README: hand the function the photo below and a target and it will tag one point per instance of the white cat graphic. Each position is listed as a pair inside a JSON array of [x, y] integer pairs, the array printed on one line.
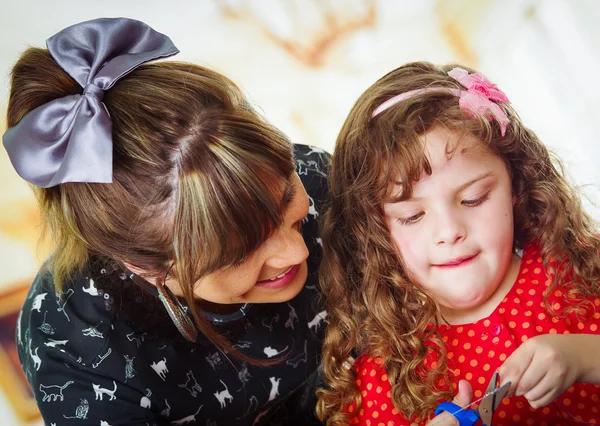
[[314, 149], [92, 332], [223, 396], [188, 419], [37, 302], [51, 343], [274, 389], [310, 165], [302, 357], [253, 405], [160, 368], [311, 208], [167, 411], [191, 384], [91, 290], [81, 411], [100, 392], [145, 401], [270, 352], [293, 317], [317, 320], [50, 394], [37, 361]]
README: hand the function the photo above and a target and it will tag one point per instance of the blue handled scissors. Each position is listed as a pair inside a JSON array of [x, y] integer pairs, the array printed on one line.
[[485, 411]]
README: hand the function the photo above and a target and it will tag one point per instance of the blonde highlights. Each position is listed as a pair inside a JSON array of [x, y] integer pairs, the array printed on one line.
[[372, 302]]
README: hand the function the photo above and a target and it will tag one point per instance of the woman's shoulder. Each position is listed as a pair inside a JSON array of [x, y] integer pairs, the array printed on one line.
[[312, 166], [71, 348], [73, 322], [309, 155]]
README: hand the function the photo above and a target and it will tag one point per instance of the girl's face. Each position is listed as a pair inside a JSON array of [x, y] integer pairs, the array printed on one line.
[[455, 234], [275, 272]]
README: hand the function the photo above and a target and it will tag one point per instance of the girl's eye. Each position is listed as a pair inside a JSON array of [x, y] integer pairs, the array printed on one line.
[[410, 220], [476, 202]]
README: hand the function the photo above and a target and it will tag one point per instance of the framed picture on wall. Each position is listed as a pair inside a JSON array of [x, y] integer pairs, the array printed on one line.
[[12, 379]]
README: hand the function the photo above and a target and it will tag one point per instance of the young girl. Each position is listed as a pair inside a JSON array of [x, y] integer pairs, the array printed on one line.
[[454, 248], [182, 286]]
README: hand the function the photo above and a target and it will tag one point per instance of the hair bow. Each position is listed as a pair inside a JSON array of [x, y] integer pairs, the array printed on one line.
[[70, 139]]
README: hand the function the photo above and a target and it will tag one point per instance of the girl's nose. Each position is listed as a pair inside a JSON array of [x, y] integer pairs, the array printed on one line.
[[450, 228]]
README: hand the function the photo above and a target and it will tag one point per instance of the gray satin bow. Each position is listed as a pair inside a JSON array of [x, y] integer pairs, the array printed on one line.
[[70, 139]]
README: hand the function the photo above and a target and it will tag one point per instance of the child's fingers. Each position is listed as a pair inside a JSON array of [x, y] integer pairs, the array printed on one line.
[[463, 398], [464, 395], [444, 419], [515, 366], [531, 377], [539, 389], [544, 400]]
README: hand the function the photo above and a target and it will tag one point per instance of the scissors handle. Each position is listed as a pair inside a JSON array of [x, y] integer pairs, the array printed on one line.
[[464, 417]]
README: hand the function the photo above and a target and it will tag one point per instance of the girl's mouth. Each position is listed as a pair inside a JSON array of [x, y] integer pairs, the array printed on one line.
[[459, 261]]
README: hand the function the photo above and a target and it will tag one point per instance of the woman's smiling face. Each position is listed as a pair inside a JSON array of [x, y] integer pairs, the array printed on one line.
[[275, 272]]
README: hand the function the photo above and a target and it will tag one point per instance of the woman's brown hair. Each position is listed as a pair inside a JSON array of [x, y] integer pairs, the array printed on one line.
[[197, 175], [373, 305]]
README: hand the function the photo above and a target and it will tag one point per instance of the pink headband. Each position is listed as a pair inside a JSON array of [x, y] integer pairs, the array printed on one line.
[[477, 99]]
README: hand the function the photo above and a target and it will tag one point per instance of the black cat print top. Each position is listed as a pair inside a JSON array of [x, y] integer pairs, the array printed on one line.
[[105, 353]]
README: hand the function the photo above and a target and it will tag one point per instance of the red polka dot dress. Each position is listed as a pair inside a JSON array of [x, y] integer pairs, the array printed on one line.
[[476, 350]]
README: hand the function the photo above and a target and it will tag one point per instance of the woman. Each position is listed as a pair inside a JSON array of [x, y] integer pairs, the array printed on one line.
[[181, 288]]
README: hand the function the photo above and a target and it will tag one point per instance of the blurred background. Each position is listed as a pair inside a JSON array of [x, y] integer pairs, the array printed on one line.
[[303, 63]]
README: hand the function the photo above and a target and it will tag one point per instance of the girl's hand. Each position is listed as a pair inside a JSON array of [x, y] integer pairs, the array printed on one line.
[[544, 367], [462, 399]]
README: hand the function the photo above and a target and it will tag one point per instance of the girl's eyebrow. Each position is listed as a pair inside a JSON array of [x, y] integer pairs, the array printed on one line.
[[460, 188], [472, 181]]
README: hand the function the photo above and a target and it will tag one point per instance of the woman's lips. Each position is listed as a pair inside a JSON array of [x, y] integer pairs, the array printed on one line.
[[280, 280], [459, 261]]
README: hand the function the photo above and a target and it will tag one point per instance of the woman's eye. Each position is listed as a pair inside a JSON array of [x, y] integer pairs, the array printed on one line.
[[476, 202], [410, 220], [238, 263]]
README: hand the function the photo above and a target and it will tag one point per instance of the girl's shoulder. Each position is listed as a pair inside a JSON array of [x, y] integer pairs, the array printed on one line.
[[369, 368]]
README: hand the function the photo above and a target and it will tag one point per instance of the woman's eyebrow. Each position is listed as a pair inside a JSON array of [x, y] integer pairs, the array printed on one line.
[[288, 194]]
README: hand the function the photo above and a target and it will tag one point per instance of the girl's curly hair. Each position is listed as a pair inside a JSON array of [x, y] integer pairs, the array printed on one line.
[[371, 302]]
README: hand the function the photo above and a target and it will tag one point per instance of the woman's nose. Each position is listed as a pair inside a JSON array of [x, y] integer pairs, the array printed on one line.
[[286, 248]]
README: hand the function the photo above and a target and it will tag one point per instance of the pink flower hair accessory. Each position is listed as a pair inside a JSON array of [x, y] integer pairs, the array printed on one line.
[[478, 99], [477, 83], [479, 96]]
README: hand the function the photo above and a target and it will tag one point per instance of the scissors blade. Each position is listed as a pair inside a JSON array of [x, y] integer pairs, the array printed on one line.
[[492, 400], [499, 394], [492, 384]]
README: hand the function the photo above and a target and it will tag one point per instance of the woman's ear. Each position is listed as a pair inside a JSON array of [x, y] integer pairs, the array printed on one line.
[[140, 272]]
